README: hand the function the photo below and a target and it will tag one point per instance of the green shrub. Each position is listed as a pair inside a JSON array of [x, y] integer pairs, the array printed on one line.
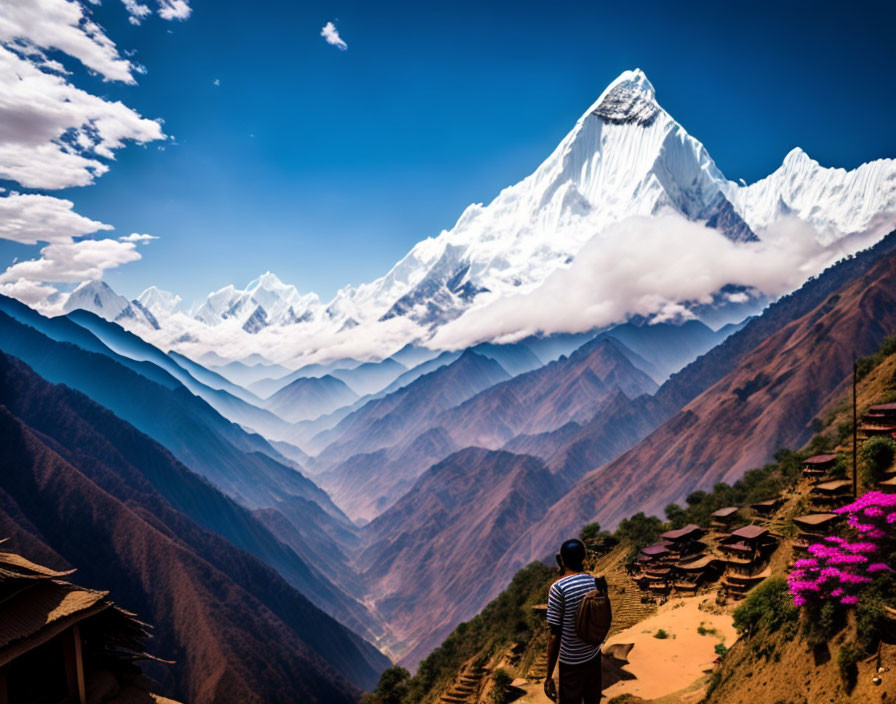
[[769, 605], [847, 660], [590, 533], [822, 623], [877, 457], [661, 634], [721, 650], [500, 694]]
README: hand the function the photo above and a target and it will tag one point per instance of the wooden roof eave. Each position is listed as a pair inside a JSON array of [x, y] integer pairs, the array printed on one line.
[[23, 645]]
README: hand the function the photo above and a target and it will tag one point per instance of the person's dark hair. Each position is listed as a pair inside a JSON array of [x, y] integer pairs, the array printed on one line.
[[573, 554]]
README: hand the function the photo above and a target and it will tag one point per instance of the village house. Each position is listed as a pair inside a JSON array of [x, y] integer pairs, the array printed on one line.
[[818, 467], [812, 529], [724, 518], [63, 643]]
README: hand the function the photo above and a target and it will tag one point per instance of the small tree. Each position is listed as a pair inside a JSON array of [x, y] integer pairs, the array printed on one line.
[[676, 516], [391, 688], [640, 530], [590, 533]]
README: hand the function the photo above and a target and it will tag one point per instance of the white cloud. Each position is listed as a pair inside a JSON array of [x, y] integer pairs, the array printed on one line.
[[137, 11], [52, 134], [72, 262], [63, 25], [331, 36], [136, 237], [55, 135], [216, 82], [650, 267], [28, 292], [30, 219], [174, 9]]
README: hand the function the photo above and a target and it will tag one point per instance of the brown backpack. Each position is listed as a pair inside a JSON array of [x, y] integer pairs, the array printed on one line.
[[594, 616]]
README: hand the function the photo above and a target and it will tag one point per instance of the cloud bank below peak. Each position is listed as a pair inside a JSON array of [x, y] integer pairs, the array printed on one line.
[[658, 268]]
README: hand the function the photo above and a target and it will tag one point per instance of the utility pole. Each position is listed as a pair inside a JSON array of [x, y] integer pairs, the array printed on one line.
[[855, 424]]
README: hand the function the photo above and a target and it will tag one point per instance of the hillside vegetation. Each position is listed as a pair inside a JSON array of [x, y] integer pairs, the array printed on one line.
[[844, 648]]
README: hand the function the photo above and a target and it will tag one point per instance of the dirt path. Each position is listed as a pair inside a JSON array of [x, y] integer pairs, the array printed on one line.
[[666, 666]]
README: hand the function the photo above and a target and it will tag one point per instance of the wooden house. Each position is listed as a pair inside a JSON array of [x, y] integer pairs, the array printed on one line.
[[690, 575], [684, 541], [831, 495], [60, 642], [724, 518], [817, 467], [736, 585], [765, 509], [879, 420], [813, 528], [747, 548], [888, 485]]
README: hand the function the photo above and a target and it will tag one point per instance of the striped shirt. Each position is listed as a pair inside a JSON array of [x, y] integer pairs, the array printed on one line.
[[563, 603]]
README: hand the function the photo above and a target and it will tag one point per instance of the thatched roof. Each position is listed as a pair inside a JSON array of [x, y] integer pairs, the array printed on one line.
[[36, 605]]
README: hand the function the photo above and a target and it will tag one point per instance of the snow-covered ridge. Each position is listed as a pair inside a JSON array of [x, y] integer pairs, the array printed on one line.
[[265, 301], [836, 201], [624, 158]]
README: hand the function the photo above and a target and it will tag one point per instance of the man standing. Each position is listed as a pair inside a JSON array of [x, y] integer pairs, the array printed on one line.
[[580, 676]]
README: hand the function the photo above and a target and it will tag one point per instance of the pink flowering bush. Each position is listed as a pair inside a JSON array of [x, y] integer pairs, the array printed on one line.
[[838, 570]]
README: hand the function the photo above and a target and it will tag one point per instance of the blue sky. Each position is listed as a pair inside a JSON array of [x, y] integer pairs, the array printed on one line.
[[326, 166]]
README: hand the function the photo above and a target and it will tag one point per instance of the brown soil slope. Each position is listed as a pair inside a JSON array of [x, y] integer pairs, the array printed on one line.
[[431, 560]]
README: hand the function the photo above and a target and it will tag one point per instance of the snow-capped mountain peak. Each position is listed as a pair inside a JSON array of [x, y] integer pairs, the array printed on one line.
[[630, 99], [159, 302], [625, 156], [99, 298], [624, 159], [265, 301]]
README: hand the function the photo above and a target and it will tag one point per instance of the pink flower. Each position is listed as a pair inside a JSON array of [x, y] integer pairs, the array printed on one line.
[[806, 562], [848, 560], [874, 511], [838, 592], [862, 547], [799, 600], [849, 600], [878, 567]]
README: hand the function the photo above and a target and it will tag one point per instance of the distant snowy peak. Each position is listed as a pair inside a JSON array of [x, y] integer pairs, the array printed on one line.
[[158, 302], [99, 298], [835, 201], [265, 301]]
